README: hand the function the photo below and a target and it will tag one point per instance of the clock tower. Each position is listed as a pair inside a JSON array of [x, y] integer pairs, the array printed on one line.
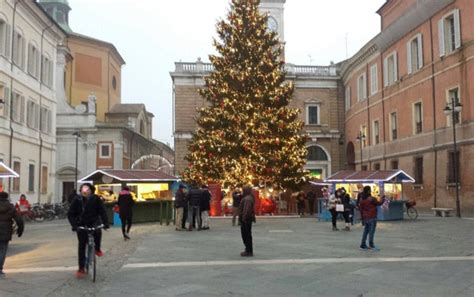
[[276, 20]]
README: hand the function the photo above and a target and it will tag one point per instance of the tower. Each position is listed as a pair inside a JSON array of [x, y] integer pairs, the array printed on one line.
[[276, 20], [59, 11]]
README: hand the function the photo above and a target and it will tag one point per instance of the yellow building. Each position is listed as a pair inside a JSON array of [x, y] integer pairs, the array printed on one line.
[[95, 66]]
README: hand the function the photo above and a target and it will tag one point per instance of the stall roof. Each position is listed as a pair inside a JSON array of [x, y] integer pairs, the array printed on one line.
[[109, 176], [6, 171], [350, 176], [319, 182]]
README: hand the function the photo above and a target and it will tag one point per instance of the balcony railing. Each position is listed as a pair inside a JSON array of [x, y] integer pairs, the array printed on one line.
[[291, 69]]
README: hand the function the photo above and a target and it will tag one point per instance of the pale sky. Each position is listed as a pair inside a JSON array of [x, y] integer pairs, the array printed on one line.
[[153, 34]]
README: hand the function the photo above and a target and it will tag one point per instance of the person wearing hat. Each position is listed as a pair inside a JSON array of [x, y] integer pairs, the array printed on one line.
[[87, 210], [8, 214], [180, 204]]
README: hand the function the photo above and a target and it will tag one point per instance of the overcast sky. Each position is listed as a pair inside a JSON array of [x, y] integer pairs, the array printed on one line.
[[153, 34]]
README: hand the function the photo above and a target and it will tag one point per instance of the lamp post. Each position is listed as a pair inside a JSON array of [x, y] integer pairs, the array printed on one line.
[[77, 134], [360, 139], [453, 108]]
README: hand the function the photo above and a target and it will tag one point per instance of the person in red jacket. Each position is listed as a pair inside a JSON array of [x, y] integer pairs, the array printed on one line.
[[23, 205], [368, 211]]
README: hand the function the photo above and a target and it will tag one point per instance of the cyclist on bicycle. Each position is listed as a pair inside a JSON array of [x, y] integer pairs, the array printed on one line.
[[87, 210]]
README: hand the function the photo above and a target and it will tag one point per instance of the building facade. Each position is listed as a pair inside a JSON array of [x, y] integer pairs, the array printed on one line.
[[29, 43], [318, 94], [396, 89]]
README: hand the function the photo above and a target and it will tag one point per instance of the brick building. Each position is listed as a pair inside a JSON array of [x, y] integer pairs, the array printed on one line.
[[396, 89]]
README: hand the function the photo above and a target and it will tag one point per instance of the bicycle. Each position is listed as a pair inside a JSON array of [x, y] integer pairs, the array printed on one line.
[[90, 264], [412, 213]]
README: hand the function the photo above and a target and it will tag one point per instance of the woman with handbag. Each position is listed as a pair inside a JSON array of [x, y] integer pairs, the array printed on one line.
[[334, 205], [346, 202]]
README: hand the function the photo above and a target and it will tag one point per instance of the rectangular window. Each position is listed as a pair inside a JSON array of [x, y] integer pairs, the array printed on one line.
[[18, 108], [418, 117], [393, 126], [374, 84], [364, 168], [32, 115], [376, 132], [394, 164], [4, 37], [45, 120], [377, 166], [419, 170], [33, 60], [16, 181], [105, 150], [363, 131], [348, 98], [31, 178], [5, 98], [125, 146], [415, 54], [453, 167], [390, 69], [312, 116], [449, 31], [453, 95], [362, 87], [44, 179], [19, 50]]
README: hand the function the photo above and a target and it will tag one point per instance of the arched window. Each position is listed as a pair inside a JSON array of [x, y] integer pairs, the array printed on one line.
[[315, 153]]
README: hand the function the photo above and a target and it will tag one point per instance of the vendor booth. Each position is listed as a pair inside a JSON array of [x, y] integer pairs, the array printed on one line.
[[152, 191], [6, 172], [383, 183]]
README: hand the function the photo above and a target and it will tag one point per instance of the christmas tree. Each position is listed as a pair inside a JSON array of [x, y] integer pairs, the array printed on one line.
[[247, 134]]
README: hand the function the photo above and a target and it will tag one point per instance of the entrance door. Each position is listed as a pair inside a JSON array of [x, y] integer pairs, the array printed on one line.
[[68, 187]]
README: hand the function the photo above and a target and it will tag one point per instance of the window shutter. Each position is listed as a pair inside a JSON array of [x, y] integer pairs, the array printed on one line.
[[365, 86], [22, 109], [420, 51], [385, 72], [457, 29], [30, 59], [409, 66], [6, 98], [37, 59], [442, 49], [8, 45], [395, 67], [50, 73]]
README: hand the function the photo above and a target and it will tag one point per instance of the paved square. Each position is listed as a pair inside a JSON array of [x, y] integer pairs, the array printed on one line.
[[293, 257]]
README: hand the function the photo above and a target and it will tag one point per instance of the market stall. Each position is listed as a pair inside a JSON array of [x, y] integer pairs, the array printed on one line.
[[152, 191], [383, 183], [6, 172]]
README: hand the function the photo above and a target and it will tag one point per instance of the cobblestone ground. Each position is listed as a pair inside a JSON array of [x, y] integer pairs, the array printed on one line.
[[293, 257]]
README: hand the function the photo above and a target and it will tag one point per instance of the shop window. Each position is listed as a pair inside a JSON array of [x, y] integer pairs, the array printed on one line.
[[419, 170]]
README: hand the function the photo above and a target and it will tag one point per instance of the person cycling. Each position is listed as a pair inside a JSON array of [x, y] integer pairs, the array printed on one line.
[[87, 210]]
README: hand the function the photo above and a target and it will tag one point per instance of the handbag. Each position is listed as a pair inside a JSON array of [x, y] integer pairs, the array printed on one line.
[[339, 208]]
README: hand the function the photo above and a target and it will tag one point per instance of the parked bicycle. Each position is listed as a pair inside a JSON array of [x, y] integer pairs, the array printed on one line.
[[91, 258], [412, 213], [33, 214]]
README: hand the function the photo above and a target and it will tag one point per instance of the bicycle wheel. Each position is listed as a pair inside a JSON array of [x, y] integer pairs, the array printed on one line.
[[93, 266], [39, 217], [89, 255], [412, 213]]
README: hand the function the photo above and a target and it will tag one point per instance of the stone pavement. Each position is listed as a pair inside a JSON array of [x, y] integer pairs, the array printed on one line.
[[293, 257]]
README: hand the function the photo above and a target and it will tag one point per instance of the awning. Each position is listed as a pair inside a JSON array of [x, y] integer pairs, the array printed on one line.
[[111, 176], [6, 171], [388, 176], [318, 182]]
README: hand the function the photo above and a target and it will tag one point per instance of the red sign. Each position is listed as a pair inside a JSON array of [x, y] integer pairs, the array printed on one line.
[[216, 205]]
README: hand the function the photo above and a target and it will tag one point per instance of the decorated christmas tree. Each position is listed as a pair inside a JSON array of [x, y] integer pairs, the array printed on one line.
[[247, 134]]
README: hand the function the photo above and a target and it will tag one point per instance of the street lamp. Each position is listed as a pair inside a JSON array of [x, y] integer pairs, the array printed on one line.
[[360, 139], [77, 134], [453, 108]]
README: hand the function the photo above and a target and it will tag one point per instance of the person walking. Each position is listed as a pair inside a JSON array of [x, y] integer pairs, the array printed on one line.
[[180, 203], [300, 203], [87, 210], [125, 203], [311, 199], [346, 202], [334, 199], [205, 207], [246, 218], [236, 198], [8, 214], [368, 211], [194, 199], [23, 206]]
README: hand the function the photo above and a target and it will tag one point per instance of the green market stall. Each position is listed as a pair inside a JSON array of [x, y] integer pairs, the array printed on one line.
[[152, 192]]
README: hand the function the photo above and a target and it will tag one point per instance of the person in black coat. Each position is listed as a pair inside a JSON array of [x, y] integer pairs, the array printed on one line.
[[346, 201], [87, 210], [205, 207], [125, 203], [180, 205], [194, 199], [8, 214]]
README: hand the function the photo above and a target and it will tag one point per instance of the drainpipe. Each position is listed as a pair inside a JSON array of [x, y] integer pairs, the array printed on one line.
[[433, 97], [369, 163], [11, 91], [40, 134], [383, 112]]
